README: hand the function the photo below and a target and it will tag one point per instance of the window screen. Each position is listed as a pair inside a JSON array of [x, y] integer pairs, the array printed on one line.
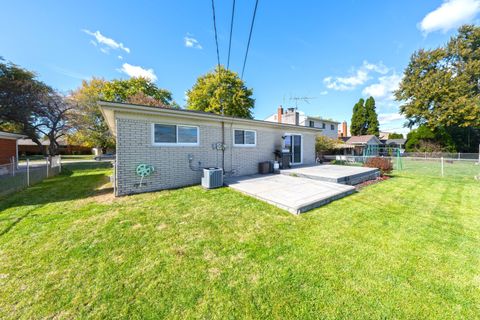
[[244, 137], [187, 134], [165, 133]]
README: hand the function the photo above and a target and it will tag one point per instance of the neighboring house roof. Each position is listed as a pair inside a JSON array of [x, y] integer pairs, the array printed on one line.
[[30, 142], [363, 139], [109, 108], [396, 141], [11, 136]]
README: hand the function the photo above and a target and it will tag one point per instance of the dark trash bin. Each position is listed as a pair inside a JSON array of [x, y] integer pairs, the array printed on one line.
[[265, 167]]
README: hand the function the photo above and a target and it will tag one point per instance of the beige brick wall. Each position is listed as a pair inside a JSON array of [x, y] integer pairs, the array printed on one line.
[[134, 146]]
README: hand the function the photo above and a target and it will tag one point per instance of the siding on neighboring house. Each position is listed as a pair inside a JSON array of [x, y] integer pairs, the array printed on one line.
[[329, 127], [8, 149]]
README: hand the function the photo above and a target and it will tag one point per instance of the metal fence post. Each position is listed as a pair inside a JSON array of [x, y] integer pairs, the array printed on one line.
[[442, 166], [13, 166], [47, 165], [28, 173]]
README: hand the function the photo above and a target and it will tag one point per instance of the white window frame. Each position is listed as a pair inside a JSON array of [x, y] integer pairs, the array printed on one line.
[[244, 145], [175, 144]]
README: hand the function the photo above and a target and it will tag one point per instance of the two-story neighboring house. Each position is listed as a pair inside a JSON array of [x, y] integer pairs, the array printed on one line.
[[292, 116]]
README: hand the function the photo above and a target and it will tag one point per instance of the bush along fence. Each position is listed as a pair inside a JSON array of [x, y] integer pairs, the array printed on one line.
[[15, 176], [431, 165]]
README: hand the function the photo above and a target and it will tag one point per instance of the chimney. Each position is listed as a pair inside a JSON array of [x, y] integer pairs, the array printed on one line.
[[279, 114], [344, 128]]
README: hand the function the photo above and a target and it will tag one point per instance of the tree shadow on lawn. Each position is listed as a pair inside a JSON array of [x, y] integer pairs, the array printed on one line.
[[63, 187]]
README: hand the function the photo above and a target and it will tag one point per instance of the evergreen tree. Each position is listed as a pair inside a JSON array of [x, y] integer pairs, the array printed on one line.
[[371, 118], [358, 124]]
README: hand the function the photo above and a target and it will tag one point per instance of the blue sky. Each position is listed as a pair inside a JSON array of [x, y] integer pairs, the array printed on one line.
[[332, 51]]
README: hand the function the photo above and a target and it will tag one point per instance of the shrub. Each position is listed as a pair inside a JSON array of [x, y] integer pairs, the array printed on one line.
[[339, 162], [383, 164]]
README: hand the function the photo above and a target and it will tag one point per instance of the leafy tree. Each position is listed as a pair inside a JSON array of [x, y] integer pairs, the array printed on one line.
[[122, 90], [358, 124], [90, 127], [465, 139], [324, 145], [395, 135], [441, 87], [424, 139], [371, 117], [54, 120], [143, 99], [221, 92], [29, 106]]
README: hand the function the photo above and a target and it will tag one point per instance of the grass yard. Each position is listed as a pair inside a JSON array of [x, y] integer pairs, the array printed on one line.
[[405, 248]]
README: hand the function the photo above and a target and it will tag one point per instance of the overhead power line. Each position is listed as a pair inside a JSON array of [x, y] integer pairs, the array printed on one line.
[[249, 37], [216, 38], [231, 31]]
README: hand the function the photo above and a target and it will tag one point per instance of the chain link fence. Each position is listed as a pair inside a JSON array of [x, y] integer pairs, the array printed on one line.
[[440, 165], [15, 177]]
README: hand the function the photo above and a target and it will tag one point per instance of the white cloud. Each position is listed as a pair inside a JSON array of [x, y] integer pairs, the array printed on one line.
[[191, 42], [379, 68], [108, 42], [385, 118], [359, 77], [450, 15], [137, 71], [120, 57], [323, 93], [383, 89]]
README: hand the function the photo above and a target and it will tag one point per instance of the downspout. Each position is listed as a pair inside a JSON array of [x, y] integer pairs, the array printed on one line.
[[223, 147]]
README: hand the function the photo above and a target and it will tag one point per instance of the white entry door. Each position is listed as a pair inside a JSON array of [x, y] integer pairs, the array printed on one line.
[[293, 142]]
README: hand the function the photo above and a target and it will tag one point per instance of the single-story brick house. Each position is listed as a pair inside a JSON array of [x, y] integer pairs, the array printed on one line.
[[9, 147], [179, 142], [27, 147]]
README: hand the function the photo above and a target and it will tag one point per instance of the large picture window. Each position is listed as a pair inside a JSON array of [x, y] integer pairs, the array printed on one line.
[[246, 138], [168, 134]]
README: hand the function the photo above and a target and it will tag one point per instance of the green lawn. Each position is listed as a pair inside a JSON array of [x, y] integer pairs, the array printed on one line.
[[406, 248]]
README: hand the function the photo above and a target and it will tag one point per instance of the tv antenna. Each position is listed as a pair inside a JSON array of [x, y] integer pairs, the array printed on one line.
[[304, 99]]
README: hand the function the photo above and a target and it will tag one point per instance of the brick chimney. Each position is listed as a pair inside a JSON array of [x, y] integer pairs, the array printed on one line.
[[279, 114], [344, 128]]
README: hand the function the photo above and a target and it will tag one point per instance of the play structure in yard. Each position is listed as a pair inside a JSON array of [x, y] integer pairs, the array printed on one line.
[[384, 151]]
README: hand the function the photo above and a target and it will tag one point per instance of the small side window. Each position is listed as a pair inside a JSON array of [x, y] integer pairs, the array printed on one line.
[[247, 138], [170, 134]]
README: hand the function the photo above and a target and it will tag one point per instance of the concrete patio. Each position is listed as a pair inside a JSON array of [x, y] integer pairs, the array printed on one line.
[[294, 194], [350, 175], [300, 189]]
